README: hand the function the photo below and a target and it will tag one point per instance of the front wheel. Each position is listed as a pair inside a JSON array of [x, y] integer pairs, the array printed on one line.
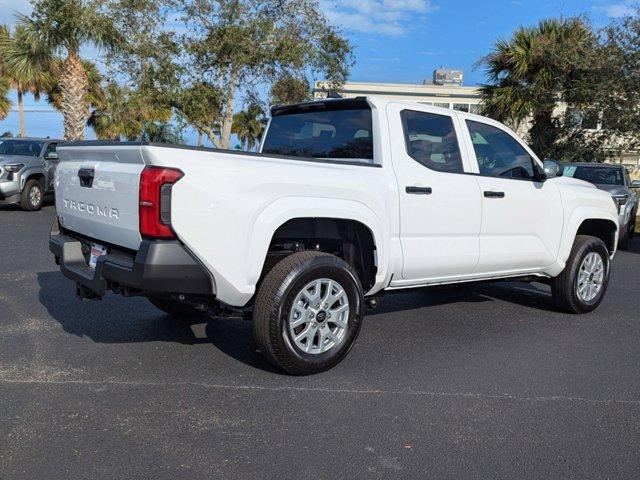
[[308, 312], [582, 285], [32, 196]]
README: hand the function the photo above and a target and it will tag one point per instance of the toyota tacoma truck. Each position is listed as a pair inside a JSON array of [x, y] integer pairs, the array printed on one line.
[[27, 167], [346, 198]]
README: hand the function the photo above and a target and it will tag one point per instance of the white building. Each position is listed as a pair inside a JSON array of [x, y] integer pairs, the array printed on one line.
[[459, 98]]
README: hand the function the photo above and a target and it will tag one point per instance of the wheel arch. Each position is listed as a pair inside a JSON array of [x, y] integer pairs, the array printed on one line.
[[322, 220], [590, 222], [605, 230], [33, 174]]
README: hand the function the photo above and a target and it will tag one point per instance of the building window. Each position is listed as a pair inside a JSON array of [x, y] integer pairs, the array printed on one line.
[[586, 120], [461, 107], [441, 104], [474, 109]]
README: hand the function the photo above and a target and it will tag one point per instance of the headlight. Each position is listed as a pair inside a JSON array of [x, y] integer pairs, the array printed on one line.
[[621, 201], [16, 167]]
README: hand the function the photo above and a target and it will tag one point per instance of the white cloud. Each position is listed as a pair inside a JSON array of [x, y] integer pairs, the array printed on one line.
[[617, 10], [386, 17]]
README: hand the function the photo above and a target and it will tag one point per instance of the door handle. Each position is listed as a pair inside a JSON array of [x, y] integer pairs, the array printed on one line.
[[419, 190], [490, 194]]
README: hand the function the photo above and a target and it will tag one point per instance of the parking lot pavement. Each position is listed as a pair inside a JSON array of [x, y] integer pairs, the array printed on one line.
[[480, 381]]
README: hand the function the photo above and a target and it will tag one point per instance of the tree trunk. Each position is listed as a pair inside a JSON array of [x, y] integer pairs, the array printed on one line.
[[74, 108], [199, 138], [227, 121], [22, 130]]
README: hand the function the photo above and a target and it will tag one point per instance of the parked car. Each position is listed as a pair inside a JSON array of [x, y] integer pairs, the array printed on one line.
[[614, 179], [27, 167], [346, 199]]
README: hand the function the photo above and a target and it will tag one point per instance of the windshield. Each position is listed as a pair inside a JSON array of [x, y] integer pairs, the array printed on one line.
[[25, 148], [332, 134], [601, 175]]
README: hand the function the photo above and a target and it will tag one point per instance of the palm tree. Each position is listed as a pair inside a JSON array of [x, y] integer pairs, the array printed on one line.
[[113, 119], [66, 26], [162, 132], [5, 103], [25, 66], [95, 96], [126, 113], [248, 125], [531, 72]]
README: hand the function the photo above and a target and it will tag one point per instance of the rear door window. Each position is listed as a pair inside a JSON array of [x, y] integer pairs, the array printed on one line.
[[431, 140], [330, 133]]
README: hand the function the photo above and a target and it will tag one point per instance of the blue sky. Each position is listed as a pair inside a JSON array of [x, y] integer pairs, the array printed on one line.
[[397, 40]]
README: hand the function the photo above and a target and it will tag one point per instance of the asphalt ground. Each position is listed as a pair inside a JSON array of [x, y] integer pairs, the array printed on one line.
[[476, 381]]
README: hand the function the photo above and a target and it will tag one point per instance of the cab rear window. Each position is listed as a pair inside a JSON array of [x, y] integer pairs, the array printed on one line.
[[344, 133]]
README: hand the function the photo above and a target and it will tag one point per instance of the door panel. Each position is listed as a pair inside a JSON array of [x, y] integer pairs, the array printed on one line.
[[440, 209], [522, 230], [521, 216]]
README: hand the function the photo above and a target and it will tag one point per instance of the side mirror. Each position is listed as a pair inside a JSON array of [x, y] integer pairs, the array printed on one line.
[[552, 168], [51, 156], [635, 184]]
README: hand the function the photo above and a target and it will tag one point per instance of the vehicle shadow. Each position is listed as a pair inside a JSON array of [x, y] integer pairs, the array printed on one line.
[[47, 201], [133, 320], [531, 295], [118, 320], [10, 208]]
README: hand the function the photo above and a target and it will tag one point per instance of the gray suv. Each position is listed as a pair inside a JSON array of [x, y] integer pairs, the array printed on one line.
[[27, 167], [615, 180]]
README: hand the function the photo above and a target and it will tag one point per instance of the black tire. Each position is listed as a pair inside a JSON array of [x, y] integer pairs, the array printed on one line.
[[28, 202], [176, 309], [564, 287], [274, 301]]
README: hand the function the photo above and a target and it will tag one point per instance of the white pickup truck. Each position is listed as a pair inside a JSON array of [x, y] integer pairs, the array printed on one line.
[[347, 198]]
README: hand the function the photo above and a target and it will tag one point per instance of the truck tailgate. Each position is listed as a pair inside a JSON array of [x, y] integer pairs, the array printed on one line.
[[97, 192]]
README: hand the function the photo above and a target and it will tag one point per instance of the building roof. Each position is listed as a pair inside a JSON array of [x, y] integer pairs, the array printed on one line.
[[401, 89]]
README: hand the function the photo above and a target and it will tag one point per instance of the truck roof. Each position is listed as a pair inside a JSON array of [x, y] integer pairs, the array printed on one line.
[[39, 139], [379, 101]]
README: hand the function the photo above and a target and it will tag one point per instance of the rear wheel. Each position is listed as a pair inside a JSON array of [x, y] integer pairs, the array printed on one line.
[[308, 312], [32, 196], [176, 309], [582, 285]]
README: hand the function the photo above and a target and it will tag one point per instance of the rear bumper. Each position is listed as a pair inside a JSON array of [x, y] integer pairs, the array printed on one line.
[[158, 267]]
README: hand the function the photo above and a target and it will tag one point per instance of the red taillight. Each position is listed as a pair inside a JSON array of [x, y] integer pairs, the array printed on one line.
[[155, 201]]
